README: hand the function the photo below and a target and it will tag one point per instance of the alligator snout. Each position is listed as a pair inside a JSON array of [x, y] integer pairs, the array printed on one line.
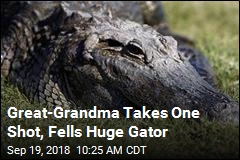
[[226, 112]]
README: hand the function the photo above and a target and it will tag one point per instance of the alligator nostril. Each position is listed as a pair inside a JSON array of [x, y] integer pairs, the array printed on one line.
[[220, 107]]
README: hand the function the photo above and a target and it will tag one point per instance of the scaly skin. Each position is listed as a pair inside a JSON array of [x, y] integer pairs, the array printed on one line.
[[88, 56]]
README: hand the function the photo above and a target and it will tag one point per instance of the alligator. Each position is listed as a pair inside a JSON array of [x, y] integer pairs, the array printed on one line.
[[109, 54]]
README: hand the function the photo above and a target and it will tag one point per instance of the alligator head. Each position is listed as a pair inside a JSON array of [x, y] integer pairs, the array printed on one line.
[[115, 63]]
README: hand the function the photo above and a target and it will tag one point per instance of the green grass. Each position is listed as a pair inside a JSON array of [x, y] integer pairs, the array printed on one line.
[[215, 27]]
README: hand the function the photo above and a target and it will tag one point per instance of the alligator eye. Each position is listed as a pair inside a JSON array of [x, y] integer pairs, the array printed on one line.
[[135, 49], [113, 43]]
